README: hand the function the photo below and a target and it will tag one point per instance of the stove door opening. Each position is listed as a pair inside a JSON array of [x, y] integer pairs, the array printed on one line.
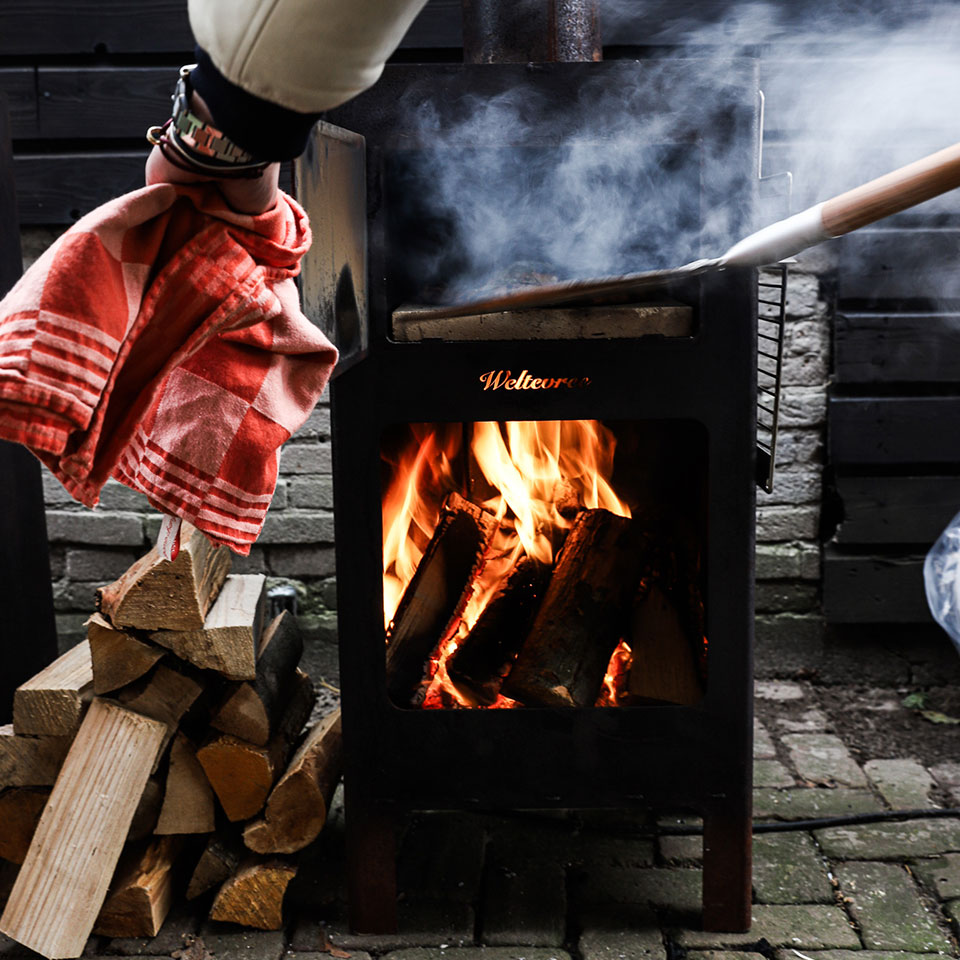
[[552, 563]]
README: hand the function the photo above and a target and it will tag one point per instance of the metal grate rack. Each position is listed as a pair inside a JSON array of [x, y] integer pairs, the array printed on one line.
[[772, 304]]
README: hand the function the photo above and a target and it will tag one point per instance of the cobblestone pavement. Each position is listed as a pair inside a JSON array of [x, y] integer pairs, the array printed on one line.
[[612, 886]]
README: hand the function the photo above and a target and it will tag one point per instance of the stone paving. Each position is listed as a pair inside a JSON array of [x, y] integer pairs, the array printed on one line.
[[612, 886]]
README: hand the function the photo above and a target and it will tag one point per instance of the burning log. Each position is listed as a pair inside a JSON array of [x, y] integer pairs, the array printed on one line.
[[664, 667], [142, 891], [158, 594], [486, 654], [117, 657], [243, 773], [436, 596], [251, 709], [253, 896], [217, 863], [20, 810], [297, 807], [227, 639], [564, 658], [188, 799], [52, 702]]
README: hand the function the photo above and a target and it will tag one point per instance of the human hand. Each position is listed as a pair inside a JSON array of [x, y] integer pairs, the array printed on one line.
[[245, 195]]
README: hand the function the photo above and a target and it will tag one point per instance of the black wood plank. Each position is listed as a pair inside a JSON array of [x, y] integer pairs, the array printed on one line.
[[893, 430], [60, 188], [915, 265], [896, 510], [877, 589], [898, 348], [101, 102], [28, 640], [19, 86], [83, 26]]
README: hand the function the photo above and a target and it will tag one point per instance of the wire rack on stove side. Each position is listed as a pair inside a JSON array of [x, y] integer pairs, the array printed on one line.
[[772, 303]]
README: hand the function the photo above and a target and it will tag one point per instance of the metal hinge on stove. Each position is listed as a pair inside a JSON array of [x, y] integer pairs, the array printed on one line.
[[775, 194]]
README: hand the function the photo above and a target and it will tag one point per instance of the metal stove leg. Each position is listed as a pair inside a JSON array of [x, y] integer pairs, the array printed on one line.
[[727, 869], [371, 865]]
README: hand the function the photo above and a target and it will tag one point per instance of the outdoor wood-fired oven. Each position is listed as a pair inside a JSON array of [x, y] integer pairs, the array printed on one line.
[[644, 407]]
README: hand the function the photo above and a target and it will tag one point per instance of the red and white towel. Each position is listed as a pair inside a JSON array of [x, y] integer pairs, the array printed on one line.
[[160, 341]]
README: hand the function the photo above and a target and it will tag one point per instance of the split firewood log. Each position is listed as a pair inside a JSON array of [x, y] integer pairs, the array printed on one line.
[[438, 593], [188, 805], [147, 812], [253, 896], [218, 862], [142, 890], [52, 702], [583, 614], [158, 594], [486, 654], [227, 639], [297, 807], [663, 668], [118, 657], [67, 870], [20, 809], [251, 709], [30, 761], [241, 773]]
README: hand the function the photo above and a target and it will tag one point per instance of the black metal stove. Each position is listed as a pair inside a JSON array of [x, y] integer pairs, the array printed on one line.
[[690, 396]]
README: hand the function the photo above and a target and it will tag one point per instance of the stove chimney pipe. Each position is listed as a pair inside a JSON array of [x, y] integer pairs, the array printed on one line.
[[531, 31]]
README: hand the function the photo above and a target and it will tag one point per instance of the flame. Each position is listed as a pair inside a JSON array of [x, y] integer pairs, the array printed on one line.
[[532, 475], [615, 681]]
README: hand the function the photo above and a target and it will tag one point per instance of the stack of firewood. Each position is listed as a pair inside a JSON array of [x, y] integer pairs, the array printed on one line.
[[163, 756]]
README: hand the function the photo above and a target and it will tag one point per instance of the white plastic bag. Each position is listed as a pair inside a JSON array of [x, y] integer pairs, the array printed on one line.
[[941, 577]]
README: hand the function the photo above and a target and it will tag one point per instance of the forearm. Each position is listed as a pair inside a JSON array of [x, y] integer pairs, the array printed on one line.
[[266, 70]]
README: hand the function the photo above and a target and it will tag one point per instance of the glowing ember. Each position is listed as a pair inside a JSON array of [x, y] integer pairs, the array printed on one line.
[[531, 475], [615, 682]]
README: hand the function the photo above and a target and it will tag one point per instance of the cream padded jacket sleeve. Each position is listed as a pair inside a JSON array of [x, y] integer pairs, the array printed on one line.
[[306, 55]]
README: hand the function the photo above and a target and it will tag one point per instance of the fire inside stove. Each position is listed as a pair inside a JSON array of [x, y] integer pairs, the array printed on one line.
[[544, 563]]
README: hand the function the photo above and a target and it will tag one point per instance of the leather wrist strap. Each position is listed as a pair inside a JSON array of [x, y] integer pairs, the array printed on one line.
[[198, 147]]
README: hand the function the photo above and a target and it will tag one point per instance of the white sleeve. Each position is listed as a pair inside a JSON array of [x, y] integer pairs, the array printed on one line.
[[306, 55]]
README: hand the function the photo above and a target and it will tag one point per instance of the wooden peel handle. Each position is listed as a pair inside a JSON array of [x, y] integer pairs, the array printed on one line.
[[893, 192]]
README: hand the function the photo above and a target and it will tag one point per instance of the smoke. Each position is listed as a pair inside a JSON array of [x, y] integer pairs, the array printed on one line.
[[519, 187]]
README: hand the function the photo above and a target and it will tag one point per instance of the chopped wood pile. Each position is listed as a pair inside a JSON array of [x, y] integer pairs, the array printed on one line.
[[164, 756], [549, 635]]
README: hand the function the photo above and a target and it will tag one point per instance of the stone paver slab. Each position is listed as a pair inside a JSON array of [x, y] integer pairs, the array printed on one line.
[[478, 953], [799, 926], [302, 955], [905, 784], [941, 875], [241, 945], [811, 803], [528, 907], [857, 955], [823, 758], [688, 849], [422, 924], [622, 945], [788, 868], [885, 902], [777, 690], [674, 889], [763, 745], [948, 776], [771, 773], [813, 720], [891, 841], [724, 955], [442, 858], [182, 922], [11, 948]]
